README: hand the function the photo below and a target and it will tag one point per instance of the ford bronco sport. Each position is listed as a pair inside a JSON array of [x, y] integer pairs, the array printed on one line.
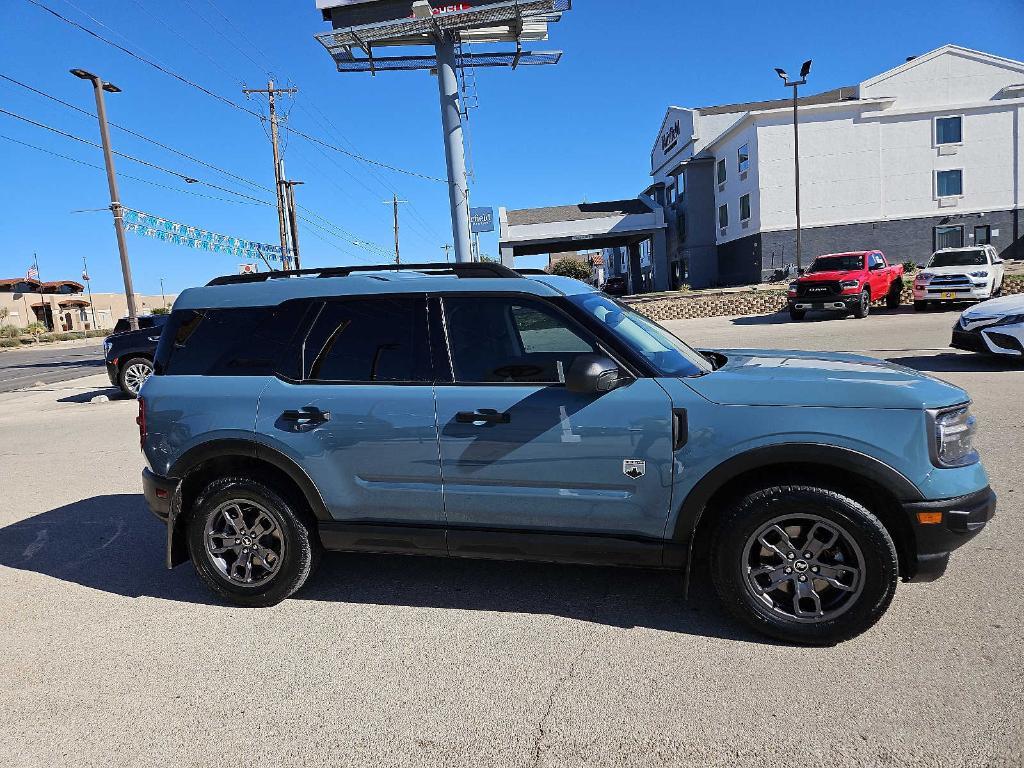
[[471, 411]]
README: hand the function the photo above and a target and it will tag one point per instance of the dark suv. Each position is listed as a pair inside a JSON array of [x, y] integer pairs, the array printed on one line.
[[470, 411], [129, 354]]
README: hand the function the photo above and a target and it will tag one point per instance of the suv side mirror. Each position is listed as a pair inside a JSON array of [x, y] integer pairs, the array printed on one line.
[[592, 374]]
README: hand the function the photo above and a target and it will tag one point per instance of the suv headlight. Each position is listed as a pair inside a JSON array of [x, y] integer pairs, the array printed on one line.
[[952, 436], [979, 273], [850, 284], [106, 347], [924, 277], [792, 286], [1010, 320]]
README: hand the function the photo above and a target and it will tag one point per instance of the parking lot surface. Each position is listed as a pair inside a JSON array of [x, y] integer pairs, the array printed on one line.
[[106, 658]]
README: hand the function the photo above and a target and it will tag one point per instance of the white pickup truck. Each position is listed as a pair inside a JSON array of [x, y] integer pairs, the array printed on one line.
[[959, 274]]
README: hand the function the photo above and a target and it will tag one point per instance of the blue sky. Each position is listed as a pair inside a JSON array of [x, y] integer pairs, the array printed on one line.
[[541, 136]]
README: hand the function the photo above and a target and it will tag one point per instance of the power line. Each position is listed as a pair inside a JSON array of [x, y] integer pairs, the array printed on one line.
[[125, 175], [349, 236], [224, 99]]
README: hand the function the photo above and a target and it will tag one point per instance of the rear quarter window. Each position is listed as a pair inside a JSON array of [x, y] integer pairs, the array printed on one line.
[[245, 341]]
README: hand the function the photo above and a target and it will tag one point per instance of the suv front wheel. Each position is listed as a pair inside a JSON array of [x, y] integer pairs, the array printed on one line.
[[249, 544], [804, 564]]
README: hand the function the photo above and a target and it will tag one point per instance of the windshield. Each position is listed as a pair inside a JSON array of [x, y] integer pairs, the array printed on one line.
[[667, 354], [845, 263], [975, 258]]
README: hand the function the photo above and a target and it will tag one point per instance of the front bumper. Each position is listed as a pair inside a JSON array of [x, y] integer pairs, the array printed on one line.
[[991, 339], [112, 373], [837, 302], [951, 293], [963, 518]]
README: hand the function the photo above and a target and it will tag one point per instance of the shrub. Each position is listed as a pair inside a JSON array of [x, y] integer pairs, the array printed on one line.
[[35, 328], [570, 267], [9, 342], [910, 266], [9, 332], [161, 311]]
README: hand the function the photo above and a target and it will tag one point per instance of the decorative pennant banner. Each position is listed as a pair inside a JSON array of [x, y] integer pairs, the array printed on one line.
[[148, 225]]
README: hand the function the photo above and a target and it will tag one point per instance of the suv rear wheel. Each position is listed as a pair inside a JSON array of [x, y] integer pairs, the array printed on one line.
[[134, 374], [250, 545], [804, 564]]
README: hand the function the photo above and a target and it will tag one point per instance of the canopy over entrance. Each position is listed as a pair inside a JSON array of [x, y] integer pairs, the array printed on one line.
[[585, 226]]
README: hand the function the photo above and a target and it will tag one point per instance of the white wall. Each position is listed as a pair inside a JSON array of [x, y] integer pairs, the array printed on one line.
[[735, 186]]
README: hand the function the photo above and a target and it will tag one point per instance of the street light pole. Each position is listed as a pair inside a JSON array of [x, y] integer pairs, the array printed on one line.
[[99, 86], [795, 84]]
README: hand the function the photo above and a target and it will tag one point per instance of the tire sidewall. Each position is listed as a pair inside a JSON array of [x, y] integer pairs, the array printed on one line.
[[300, 550], [880, 575]]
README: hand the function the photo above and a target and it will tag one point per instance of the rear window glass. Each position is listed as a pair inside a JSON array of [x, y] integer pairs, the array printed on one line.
[[247, 341]]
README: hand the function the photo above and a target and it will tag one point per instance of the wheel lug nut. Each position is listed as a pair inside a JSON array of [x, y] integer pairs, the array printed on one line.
[[789, 570], [238, 541], [814, 568], [803, 578], [791, 556]]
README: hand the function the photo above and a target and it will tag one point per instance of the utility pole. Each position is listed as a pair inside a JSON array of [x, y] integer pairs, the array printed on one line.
[[99, 86], [454, 149], [293, 218], [394, 201], [446, 248], [271, 91]]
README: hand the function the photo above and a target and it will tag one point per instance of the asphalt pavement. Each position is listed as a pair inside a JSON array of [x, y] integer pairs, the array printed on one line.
[[106, 658], [49, 364]]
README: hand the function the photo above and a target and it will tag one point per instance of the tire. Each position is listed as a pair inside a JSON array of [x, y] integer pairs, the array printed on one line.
[[133, 375], [289, 535], [864, 308], [920, 306], [895, 295], [797, 315], [738, 553]]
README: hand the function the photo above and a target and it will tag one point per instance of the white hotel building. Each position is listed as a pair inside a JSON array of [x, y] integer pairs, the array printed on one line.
[[925, 155]]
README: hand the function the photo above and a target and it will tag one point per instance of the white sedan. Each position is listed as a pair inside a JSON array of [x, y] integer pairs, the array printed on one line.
[[995, 326], [959, 274]]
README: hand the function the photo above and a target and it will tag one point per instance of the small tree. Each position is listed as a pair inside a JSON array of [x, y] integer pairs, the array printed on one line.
[[161, 311], [570, 267]]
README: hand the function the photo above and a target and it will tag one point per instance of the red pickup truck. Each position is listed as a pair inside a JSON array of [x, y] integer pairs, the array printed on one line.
[[846, 282]]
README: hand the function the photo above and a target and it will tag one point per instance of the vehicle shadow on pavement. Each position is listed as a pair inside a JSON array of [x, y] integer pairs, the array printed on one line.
[[76, 363], [782, 317], [951, 362], [85, 397], [112, 543]]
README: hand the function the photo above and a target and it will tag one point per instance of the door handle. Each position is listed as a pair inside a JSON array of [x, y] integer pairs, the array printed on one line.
[[310, 416], [486, 415]]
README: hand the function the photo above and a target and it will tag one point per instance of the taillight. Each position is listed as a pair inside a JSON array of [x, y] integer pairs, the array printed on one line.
[[141, 421]]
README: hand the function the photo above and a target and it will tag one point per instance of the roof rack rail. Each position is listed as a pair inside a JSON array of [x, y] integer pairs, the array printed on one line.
[[462, 269]]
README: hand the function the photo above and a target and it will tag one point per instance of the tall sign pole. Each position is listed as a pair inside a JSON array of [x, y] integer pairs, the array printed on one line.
[[99, 86], [454, 149], [394, 202], [282, 226], [88, 285]]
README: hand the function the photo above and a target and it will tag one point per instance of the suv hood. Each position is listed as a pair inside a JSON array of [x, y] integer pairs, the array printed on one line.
[[821, 379], [958, 270]]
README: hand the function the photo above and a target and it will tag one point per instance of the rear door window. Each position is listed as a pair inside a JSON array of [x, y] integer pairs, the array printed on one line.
[[381, 340]]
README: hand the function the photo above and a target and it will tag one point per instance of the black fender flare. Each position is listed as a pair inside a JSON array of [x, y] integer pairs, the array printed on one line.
[[177, 550], [822, 455], [252, 449]]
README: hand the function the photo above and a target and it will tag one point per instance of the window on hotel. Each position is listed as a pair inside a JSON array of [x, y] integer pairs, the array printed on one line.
[[743, 158], [983, 235], [744, 207], [949, 237], [949, 130], [670, 193], [721, 171], [723, 216], [949, 183], [680, 184]]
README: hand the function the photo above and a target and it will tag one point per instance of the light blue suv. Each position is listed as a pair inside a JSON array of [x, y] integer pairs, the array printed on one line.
[[473, 411]]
